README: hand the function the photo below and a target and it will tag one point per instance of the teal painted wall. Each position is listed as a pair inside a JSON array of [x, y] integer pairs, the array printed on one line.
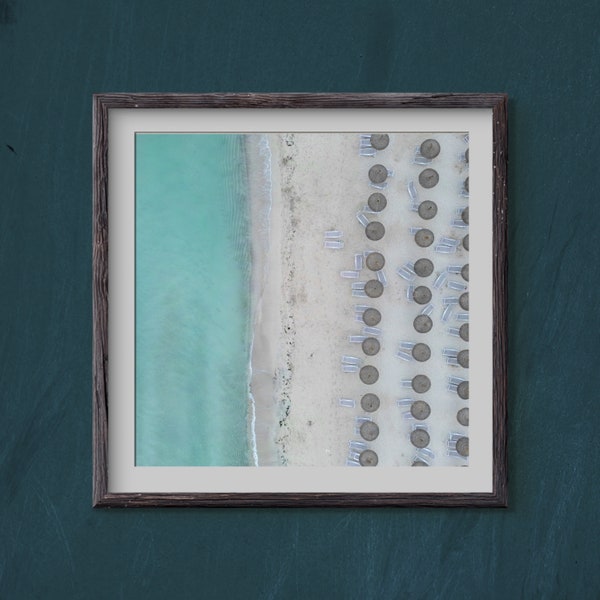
[[54, 55]]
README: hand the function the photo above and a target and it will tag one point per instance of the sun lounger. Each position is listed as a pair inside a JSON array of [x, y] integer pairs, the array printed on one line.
[[349, 274], [357, 339], [333, 234], [362, 219], [334, 244], [446, 313], [427, 310], [346, 402], [457, 285], [351, 360], [440, 280]]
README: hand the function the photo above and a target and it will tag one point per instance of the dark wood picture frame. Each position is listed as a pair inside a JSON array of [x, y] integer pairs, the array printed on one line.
[[103, 103]]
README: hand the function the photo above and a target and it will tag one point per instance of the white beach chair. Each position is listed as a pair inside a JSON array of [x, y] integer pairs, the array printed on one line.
[[448, 300], [378, 186], [407, 345], [334, 244], [351, 360], [402, 402], [447, 312], [349, 274], [357, 339], [347, 402], [362, 218], [381, 277], [358, 285], [358, 262], [455, 269], [440, 280], [359, 293], [367, 151], [427, 310], [372, 331], [455, 331], [357, 445], [458, 286], [403, 355], [444, 249], [462, 316], [406, 272], [409, 293], [333, 234], [350, 368], [459, 223]]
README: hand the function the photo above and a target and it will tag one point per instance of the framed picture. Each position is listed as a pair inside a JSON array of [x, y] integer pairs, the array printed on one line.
[[282, 300]]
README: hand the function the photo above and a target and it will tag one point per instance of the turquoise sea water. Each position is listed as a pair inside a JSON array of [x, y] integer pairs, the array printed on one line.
[[193, 259]]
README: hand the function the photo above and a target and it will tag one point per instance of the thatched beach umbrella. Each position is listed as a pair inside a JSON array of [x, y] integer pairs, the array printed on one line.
[[378, 173], [430, 148], [369, 431], [422, 294], [463, 390], [465, 272], [462, 446], [422, 323], [420, 410], [369, 374], [421, 352], [380, 141], [466, 185], [375, 230], [377, 202], [424, 238], [368, 458], [464, 332], [464, 301], [423, 267], [370, 346], [463, 358], [371, 317], [429, 178], [462, 416], [467, 155], [466, 242], [370, 402], [375, 261], [465, 215], [421, 384], [419, 438], [373, 288], [427, 209]]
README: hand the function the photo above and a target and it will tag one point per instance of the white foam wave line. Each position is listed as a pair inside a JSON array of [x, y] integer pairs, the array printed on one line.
[[265, 153]]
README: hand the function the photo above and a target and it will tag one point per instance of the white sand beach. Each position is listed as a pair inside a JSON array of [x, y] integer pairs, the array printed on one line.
[[304, 310]]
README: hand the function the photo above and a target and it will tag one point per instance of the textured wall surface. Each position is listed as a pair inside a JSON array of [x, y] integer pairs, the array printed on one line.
[[54, 55]]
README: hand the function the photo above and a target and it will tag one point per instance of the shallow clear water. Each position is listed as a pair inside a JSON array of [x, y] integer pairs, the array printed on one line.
[[193, 258]]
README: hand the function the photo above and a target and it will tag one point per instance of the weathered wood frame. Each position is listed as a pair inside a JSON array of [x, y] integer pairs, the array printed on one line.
[[104, 102]]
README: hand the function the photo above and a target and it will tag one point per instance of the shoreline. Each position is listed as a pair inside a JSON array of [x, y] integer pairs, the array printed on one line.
[[265, 210]]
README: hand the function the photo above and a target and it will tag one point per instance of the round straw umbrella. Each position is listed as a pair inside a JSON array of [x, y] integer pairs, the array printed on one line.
[[370, 402], [377, 202], [378, 173], [368, 458], [375, 261], [430, 148], [380, 141]]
